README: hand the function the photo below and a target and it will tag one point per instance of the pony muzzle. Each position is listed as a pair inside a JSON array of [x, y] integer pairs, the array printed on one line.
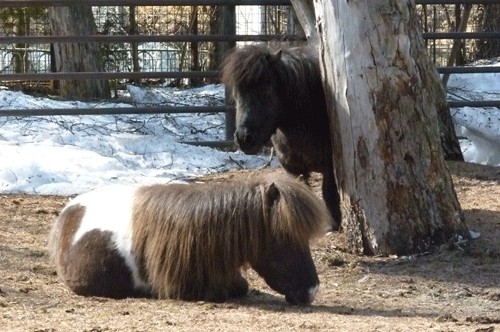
[[302, 297], [246, 141]]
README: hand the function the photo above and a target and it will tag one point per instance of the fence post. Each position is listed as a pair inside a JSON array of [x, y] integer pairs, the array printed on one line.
[[226, 25], [134, 47]]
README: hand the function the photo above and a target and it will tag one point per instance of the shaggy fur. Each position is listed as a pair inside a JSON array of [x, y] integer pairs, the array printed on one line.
[[279, 96], [209, 231], [190, 241]]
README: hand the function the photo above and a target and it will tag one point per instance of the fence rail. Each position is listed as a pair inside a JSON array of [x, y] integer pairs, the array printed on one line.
[[142, 38], [66, 3], [207, 38], [189, 74], [473, 103], [106, 75], [468, 70], [461, 35], [114, 110], [456, 2]]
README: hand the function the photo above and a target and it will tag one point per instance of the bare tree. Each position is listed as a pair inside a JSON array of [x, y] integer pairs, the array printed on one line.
[[77, 20], [396, 191], [490, 22], [20, 55], [461, 26]]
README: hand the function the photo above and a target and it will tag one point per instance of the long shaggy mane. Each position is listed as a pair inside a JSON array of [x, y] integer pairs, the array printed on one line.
[[193, 237], [296, 70]]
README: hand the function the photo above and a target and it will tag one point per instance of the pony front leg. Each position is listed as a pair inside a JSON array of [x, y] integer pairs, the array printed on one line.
[[233, 287], [239, 287], [332, 198]]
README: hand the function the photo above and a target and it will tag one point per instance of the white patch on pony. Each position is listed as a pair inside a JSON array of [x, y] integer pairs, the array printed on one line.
[[110, 209], [312, 293]]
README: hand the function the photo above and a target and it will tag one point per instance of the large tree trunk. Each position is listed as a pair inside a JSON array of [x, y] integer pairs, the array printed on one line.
[[396, 191], [77, 57], [449, 140]]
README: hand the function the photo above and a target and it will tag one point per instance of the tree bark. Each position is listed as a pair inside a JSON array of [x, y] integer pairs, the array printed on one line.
[[77, 57], [396, 191]]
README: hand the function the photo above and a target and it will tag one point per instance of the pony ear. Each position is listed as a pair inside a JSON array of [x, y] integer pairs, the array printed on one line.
[[275, 57], [271, 193]]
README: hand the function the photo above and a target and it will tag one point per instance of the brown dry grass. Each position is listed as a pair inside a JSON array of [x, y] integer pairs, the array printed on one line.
[[449, 290]]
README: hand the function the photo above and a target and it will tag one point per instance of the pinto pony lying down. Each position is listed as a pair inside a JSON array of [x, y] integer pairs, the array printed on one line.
[[190, 241]]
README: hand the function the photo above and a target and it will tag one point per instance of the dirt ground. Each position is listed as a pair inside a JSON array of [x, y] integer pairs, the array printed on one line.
[[452, 289]]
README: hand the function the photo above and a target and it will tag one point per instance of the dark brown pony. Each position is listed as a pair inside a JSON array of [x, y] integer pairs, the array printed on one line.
[[279, 95], [190, 241]]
